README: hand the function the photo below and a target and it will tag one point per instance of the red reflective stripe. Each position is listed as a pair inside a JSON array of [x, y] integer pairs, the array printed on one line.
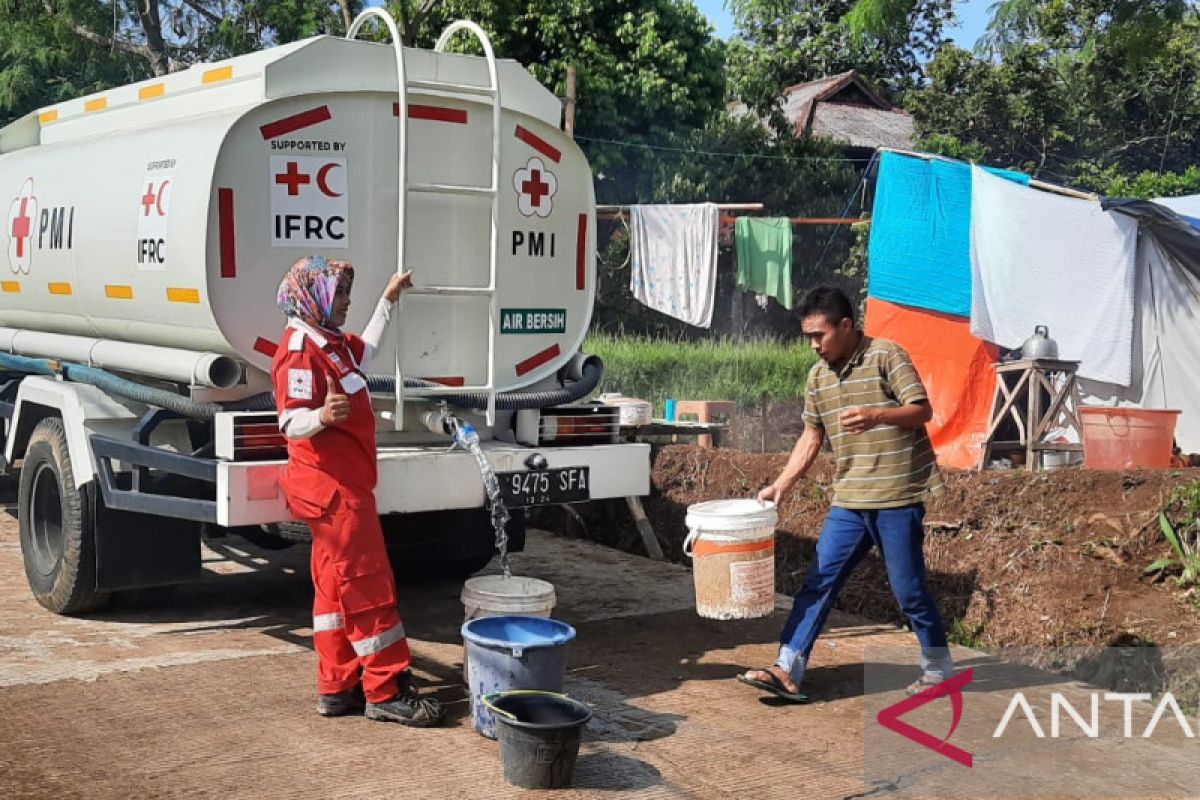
[[538, 143], [447, 381], [296, 122], [226, 233], [581, 254], [265, 346], [433, 113], [533, 362]]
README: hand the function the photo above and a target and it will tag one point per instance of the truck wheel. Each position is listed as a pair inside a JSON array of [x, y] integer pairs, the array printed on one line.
[[58, 526]]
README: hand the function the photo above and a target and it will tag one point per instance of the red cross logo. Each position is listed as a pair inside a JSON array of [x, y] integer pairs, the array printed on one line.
[[293, 178], [19, 228], [148, 200], [535, 187]]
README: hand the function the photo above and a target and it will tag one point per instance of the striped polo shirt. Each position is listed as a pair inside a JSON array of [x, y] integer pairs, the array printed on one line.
[[886, 467]]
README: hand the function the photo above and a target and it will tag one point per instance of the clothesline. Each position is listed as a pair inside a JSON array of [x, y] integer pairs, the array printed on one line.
[[616, 211]]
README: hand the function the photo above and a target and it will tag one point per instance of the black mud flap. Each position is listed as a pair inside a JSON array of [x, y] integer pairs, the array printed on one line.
[[137, 551]]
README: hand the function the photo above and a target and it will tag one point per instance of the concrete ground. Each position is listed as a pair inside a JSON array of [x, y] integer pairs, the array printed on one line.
[[208, 690]]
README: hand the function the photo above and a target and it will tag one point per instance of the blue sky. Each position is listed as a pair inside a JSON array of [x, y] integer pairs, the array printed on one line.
[[973, 16]]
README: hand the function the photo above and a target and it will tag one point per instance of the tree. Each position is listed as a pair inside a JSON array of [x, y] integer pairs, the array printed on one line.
[[1075, 93], [646, 69], [53, 50], [784, 42]]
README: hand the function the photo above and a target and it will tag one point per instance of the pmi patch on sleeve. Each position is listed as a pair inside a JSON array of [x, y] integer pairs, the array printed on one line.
[[300, 384]]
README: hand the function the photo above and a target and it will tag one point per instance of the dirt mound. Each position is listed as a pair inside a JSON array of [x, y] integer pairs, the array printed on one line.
[[1015, 558]]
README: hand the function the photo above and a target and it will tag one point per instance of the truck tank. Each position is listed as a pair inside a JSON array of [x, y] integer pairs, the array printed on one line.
[[165, 212]]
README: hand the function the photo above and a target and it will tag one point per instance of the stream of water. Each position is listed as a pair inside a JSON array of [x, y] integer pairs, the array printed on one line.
[[466, 437]]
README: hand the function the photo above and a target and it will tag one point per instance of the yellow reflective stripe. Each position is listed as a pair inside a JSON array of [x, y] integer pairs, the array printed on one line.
[[46, 117], [151, 91], [218, 74], [118, 292], [59, 287], [183, 295], [12, 287], [99, 104]]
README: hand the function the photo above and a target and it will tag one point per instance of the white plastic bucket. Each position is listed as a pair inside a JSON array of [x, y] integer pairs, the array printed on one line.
[[732, 547], [497, 596]]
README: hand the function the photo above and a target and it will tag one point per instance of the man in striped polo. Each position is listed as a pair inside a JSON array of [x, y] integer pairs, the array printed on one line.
[[866, 398]]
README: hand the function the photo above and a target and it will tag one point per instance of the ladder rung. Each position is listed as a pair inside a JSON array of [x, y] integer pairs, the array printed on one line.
[[452, 88], [449, 188], [452, 291]]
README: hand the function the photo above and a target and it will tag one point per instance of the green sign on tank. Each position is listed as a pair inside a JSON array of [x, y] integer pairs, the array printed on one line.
[[533, 320]]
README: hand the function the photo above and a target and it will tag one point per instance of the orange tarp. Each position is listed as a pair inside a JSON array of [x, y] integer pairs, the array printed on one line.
[[957, 371]]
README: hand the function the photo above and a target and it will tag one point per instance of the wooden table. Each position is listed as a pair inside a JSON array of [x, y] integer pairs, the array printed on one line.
[[1029, 404]]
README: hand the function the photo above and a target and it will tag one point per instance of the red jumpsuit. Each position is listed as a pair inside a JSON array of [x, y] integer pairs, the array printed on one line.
[[329, 483]]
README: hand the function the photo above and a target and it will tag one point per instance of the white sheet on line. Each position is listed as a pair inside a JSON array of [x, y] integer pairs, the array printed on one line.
[[673, 255], [1043, 259], [1166, 363]]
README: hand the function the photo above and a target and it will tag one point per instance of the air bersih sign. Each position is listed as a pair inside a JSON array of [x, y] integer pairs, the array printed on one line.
[[533, 320]]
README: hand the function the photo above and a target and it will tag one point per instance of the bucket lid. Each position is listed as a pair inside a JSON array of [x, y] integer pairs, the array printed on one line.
[[517, 632], [731, 515]]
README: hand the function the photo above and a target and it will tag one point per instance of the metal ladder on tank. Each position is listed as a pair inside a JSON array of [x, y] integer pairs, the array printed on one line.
[[454, 90]]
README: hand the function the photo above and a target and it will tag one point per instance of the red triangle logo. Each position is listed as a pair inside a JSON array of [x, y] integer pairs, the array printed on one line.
[[890, 717]]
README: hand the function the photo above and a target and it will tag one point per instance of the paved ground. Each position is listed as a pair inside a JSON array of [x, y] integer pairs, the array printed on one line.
[[208, 691]]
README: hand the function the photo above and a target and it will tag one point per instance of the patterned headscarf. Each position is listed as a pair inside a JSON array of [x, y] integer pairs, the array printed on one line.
[[307, 290]]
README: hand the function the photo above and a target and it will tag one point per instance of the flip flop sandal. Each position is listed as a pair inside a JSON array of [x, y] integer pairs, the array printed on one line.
[[921, 684], [773, 686]]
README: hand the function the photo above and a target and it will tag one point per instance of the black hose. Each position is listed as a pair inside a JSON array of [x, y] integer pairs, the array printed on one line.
[[592, 372]]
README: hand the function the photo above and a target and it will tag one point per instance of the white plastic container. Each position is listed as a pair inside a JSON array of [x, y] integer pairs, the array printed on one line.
[[632, 410], [732, 547], [497, 596]]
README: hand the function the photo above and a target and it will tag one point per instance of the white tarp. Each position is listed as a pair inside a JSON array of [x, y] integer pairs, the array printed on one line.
[[1043, 259], [673, 259], [1166, 360]]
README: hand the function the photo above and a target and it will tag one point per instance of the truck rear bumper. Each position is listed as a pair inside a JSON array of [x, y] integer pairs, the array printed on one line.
[[413, 479]]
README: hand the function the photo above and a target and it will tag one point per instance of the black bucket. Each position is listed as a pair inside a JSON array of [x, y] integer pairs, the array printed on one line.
[[539, 735]]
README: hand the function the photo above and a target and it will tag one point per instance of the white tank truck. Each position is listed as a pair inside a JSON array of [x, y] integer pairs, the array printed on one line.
[[147, 229]]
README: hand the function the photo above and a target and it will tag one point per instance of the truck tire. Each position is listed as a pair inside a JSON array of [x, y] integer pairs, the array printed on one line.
[[58, 525]]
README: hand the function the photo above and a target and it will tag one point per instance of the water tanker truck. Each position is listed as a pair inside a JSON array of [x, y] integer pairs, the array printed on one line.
[[147, 229]]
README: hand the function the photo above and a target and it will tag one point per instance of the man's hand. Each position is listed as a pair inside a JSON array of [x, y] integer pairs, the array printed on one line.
[[396, 285], [859, 420], [337, 406], [768, 494]]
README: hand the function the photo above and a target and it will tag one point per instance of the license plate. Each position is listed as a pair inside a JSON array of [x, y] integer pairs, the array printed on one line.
[[539, 487]]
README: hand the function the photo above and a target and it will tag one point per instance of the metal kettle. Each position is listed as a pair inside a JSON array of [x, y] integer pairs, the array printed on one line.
[[1040, 345]]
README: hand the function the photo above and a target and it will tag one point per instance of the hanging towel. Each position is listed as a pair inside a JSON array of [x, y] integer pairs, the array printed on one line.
[[920, 249], [764, 257], [673, 254], [1043, 259]]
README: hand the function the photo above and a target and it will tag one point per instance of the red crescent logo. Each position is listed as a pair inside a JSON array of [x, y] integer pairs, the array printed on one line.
[[322, 175], [162, 192]]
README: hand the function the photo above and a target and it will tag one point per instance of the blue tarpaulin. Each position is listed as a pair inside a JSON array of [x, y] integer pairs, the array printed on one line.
[[920, 249]]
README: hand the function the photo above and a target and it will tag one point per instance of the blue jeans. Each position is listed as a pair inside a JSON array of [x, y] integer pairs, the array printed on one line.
[[848, 535]]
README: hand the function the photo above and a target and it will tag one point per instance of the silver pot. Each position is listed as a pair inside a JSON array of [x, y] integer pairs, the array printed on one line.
[[1040, 345]]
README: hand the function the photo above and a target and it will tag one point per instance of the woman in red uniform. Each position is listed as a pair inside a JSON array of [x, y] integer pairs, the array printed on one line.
[[325, 412]]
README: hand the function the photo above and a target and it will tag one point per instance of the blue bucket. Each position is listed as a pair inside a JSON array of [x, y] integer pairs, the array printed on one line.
[[509, 653]]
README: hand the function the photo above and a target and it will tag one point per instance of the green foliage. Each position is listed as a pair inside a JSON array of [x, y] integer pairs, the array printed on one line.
[[1082, 91], [645, 70], [784, 42], [55, 50], [1183, 538], [745, 372]]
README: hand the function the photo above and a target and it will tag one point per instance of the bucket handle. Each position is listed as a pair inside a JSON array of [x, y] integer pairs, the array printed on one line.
[[692, 536], [488, 698]]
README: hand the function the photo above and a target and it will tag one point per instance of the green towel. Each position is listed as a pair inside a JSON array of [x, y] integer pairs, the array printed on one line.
[[764, 257]]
